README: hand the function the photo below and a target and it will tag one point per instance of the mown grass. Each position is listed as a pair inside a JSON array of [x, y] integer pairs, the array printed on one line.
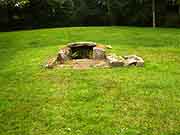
[[118, 101]]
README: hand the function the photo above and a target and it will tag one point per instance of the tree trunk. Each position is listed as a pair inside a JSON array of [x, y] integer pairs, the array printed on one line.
[[109, 13], [154, 13]]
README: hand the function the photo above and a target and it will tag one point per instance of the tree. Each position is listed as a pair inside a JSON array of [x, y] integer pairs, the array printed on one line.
[[178, 3], [54, 13], [154, 13], [153, 10], [110, 7], [60, 10]]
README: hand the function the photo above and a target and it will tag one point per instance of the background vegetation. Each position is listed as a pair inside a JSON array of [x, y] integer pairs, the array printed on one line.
[[27, 14]]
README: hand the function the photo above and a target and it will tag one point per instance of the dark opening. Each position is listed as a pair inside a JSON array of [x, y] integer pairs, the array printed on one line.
[[82, 52]]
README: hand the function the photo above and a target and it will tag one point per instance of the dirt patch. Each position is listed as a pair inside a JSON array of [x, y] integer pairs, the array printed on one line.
[[84, 64]]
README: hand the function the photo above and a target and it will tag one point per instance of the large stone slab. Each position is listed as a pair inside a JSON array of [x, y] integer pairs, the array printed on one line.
[[79, 44]]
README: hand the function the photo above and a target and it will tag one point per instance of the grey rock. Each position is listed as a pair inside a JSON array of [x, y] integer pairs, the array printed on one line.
[[99, 53], [109, 47], [51, 63], [64, 55], [115, 61], [133, 60]]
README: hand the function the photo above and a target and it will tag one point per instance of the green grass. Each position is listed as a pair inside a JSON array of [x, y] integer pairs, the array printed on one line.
[[119, 101]]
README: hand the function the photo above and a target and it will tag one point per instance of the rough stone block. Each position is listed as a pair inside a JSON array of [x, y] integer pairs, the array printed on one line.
[[99, 53], [115, 61]]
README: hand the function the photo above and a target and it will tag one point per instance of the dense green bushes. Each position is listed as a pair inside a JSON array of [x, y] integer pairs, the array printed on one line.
[[23, 14]]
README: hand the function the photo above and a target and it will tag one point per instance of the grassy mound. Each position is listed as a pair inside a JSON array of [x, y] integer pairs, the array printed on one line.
[[119, 101]]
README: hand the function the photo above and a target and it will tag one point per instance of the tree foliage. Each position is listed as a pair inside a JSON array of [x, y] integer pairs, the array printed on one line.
[[20, 14]]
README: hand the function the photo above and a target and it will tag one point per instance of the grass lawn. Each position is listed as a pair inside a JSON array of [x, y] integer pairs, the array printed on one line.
[[118, 101]]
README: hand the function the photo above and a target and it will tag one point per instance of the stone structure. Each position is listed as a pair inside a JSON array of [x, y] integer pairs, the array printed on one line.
[[94, 52]]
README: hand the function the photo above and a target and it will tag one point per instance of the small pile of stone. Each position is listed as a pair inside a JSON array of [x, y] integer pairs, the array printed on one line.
[[133, 60], [130, 60], [97, 52], [115, 61]]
